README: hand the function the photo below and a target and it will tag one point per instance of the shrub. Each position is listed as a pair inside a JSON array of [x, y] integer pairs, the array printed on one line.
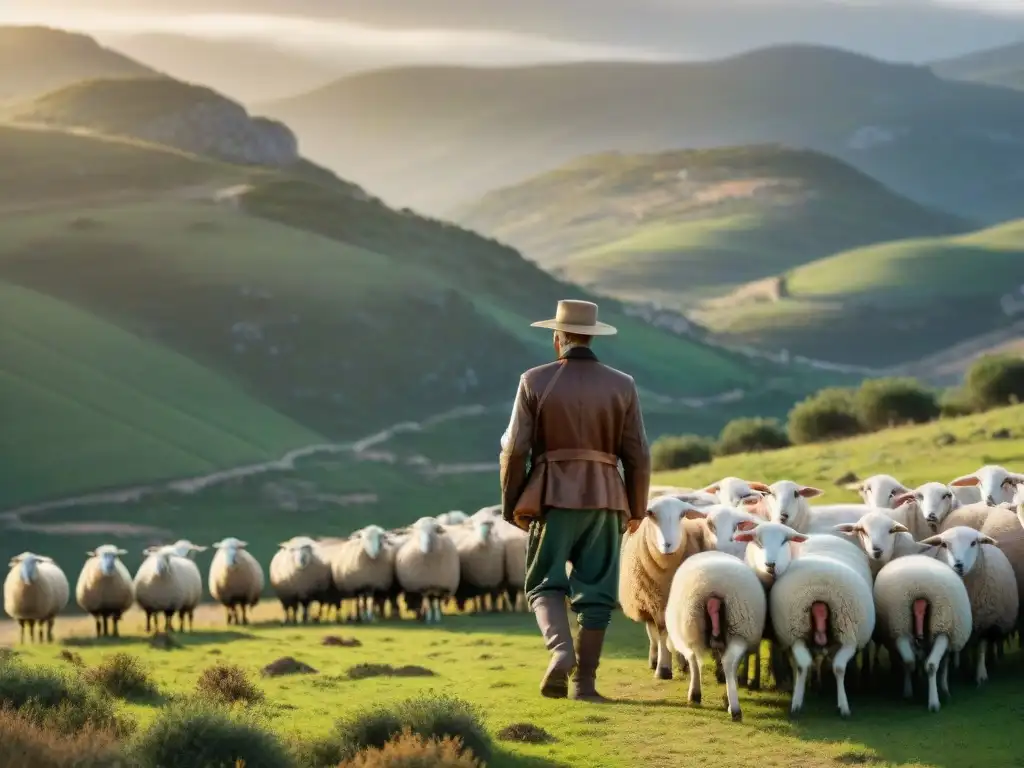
[[410, 750], [228, 683], [882, 403], [995, 380], [432, 717], [123, 675], [751, 436], [56, 699], [827, 415], [956, 402], [194, 734], [680, 452], [25, 744]]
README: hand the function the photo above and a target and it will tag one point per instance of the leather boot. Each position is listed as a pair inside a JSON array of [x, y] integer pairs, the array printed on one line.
[[589, 644], [553, 620]]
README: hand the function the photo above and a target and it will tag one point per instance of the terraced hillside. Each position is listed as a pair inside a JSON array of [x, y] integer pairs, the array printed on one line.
[[676, 226], [889, 303]]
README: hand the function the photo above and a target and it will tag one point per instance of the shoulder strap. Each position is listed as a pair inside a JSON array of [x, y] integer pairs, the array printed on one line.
[[548, 388]]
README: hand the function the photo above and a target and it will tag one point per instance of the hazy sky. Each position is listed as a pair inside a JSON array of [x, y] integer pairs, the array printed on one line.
[[503, 31]]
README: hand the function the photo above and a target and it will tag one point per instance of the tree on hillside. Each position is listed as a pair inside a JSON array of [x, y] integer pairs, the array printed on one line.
[[826, 415], [680, 452], [751, 435], [882, 403], [996, 380]]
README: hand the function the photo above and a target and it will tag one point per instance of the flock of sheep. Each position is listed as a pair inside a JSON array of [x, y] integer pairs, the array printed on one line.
[[453, 557], [931, 574]]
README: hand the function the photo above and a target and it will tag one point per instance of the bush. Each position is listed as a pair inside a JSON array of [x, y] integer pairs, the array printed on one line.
[[431, 717], [56, 699], [827, 415], [956, 402], [995, 380], [882, 403], [124, 676], [751, 436], [680, 452], [228, 683], [194, 734], [410, 750], [25, 744]]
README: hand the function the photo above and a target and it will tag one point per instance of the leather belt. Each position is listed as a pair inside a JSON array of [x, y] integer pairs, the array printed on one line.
[[577, 454]]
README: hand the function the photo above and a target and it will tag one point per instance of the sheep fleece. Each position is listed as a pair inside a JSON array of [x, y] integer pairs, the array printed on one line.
[[243, 583], [482, 562], [645, 575], [354, 570], [992, 588], [290, 582], [437, 570], [42, 599], [169, 592], [97, 592], [903, 581]]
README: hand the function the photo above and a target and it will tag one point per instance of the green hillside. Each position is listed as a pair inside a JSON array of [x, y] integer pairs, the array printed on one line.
[[34, 60], [920, 296], [1002, 66], [439, 137], [675, 226]]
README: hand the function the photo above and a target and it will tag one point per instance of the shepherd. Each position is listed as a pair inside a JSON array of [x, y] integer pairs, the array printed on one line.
[[573, 422]]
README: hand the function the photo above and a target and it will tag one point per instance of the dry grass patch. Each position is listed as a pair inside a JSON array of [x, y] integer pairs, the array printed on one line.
[[228, 683]]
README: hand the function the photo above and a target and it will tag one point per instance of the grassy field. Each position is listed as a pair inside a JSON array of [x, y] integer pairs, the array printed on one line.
[[836, 308]]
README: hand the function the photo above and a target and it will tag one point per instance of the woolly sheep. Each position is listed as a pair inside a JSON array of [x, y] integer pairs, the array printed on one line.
[[298, 575], [428, 564], [920, 601], [35, 591], [821, 602], [928, 506], [990, 582], [786, 502], [881, 538], [105, 590], [720, 523], [994, 484], [163, 584], [715, 603], [235, 579], [878, 490], [768, 552], [649, 558], [452, 518], [1005, 526], [364, 567], [185, 548], [481, 559], [967, 515], [514, 541], [734, 491]]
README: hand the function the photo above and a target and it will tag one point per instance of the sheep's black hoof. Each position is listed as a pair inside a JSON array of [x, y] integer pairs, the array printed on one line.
[[653, 664], [737, 716], [694, 698], [663, 673], [754, 685]]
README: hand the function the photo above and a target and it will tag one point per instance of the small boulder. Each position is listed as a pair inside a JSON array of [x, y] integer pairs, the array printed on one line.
[[287, 666]]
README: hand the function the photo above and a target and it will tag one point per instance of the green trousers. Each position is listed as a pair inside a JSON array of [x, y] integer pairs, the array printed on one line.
[[590, 540]]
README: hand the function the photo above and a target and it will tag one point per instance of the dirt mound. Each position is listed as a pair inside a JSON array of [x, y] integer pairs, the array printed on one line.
[[363, 671], [287, 666], [526, 733], [163, 642], [341, 642], [70, 658]]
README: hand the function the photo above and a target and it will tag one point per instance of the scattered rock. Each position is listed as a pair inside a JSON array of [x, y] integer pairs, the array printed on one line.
[[164, 642], [341, 642], [71, 658], [1001, 434], [945, 438], [363, 671], [287, 666], [848, 477], [525, 733]]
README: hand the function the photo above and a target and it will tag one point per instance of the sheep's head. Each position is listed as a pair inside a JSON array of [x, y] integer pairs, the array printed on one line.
[[373, 538], [302, 549], [996, 484], [934, 502], [185, 548], [880, 491], [733, 490], [959, 547], [785, 499], [230, 547], [721, 521], [107, 555], [427, 530], [455, 517], [28, 563], [666, 518], [876, 533], [161, 558], [484, 526], [770, 552]]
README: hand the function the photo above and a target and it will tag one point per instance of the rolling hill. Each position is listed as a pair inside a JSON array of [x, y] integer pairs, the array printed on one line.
[[438, 137], [995, 66], [887, 304], [34, 60], [677, 226]]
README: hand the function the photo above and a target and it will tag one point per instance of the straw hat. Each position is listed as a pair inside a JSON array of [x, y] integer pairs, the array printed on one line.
[[577, 317]]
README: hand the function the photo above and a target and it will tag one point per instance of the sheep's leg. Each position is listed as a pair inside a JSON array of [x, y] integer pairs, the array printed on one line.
[[839, 662], [734, 653], [743, 670], [106, 625], [944, 676], [664, 670], [802, 661], [437, 610], [906, 653], [693, 658], [117, 624], [99, 627], [931, 666], [305, 613], [755, 684], [981, 672], [21, 624], [867, 663], [245, 615], [148, 616], [168, 621]]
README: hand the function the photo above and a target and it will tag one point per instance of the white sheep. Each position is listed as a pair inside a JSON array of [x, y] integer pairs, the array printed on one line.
[[990, 582], [514, 540], [235, 579], [923, 608], [734, 491], [715, 603], [163, 585], [881, 539], [994, 484], [185, 548], [364, 567], [930, 505], [299, 575], [481, 561], [649, 558], [455, 517], [787, 504], [822, 603], [105, 590], [720, 523], [878, 490], [427, 564], [35, 591]]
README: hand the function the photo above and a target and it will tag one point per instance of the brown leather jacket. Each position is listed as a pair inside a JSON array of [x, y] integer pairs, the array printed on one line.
[[590, 421]]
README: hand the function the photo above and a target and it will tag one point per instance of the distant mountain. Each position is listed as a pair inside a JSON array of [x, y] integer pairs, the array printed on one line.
[[678, 226], [994, 66], [34, 60], [243, 70], [437, 137]]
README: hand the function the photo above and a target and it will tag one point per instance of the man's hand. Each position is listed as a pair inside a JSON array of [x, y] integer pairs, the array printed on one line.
[[633, 524]]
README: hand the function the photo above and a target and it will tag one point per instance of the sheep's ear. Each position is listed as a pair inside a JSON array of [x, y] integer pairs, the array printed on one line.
[[899, 528], [694, 514], [44, 559], [965, 480], [858, 487], [91, 553], [751, 501], [283, 544], [149, 550], [799, 538], [809, 492], [746, 525], [904, 498], [983, 539], [931, 541], [742, 536], [847, 528], [242, 544], [711, 488], [759, 486], [197, 548]]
